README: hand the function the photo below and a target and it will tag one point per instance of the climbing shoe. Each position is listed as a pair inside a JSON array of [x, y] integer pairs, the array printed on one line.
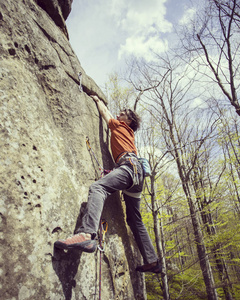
[[153, 267], [81, 241]]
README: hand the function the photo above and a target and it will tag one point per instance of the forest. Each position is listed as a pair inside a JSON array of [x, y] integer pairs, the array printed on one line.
[[188, 99]]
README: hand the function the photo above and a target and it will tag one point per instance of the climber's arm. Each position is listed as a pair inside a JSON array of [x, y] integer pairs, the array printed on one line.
[[105, 113]]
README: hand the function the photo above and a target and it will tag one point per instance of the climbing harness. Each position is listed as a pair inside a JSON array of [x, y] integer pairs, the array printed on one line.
[[101, 246], [132, 158], [80, 81], [133, 162], [103, 171]]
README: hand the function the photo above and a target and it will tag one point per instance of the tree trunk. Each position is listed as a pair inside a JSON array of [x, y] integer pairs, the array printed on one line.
[[207, 220], [201, 249], [159, 239]]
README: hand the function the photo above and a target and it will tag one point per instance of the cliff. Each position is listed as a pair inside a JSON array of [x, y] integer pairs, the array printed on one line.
[[46, 167]]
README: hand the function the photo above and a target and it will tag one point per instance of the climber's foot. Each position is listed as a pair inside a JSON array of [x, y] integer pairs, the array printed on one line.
[[81, 241], [153, 267]]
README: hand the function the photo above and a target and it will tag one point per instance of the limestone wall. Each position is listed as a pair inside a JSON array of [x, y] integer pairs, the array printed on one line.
[[46, 168]]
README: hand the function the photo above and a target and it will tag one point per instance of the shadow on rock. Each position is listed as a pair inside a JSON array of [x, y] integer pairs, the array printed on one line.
[[65, 264]]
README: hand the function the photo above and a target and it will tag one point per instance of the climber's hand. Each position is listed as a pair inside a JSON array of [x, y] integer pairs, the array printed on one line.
[[95, 98], [104, 112]]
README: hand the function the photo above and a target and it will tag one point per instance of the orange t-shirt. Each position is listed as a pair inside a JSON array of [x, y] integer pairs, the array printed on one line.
[[122, 138]]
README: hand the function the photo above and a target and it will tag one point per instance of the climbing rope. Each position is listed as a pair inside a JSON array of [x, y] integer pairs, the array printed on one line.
[[90, 149], [103, 171], [101, 246], [103, 224]]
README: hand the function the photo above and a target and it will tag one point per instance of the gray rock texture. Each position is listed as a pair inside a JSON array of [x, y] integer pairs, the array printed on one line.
[[58, 10], [46, 167]]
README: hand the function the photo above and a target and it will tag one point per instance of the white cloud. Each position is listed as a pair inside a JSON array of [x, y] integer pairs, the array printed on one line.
[[188, 16], [140, 18], [103, 33], [198, 103], [133, 26], [143, 22], [141, 47]]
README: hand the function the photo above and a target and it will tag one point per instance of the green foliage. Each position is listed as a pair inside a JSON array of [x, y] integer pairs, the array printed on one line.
[[184, 286], [204, 149], [154, 291], [188, 285], [119, 96]]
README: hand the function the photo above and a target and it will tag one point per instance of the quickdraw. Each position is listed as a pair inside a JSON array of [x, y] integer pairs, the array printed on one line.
[[80, 81], [103, 230]]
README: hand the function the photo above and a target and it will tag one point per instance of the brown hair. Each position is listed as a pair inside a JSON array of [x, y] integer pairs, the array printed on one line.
[[134, 117]]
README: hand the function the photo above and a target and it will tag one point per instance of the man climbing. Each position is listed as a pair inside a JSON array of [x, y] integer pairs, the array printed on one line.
[[126, 176]]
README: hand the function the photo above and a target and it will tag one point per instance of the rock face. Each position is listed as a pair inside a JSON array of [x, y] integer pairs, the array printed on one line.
[[46, 167], [58, 10]]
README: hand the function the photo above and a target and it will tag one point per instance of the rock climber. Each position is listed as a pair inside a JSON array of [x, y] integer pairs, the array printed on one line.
[[127, 176]]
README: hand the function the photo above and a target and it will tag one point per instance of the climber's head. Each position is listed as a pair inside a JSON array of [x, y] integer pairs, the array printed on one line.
[[130, 118]]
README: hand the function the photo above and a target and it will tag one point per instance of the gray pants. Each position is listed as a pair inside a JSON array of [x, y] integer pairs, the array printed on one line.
[[119, 179]]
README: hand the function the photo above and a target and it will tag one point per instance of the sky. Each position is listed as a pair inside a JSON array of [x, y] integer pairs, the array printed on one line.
[[105, 33]]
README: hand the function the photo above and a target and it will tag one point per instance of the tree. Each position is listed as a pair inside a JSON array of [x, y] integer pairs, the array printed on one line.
[[119, 96], [212, 47], [167, 98], [150, 146], [205, 183]]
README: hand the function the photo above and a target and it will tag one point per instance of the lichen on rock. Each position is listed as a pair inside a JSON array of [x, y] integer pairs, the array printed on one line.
[[46, 168]]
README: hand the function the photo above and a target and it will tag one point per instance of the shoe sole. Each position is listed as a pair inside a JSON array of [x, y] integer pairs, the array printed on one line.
[[156, 269], [87, 246], [60, 245]]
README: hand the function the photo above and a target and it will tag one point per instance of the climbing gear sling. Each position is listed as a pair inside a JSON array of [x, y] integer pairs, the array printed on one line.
[[102, 170], [130, 157], [103, 230], [90, 149], [143, 161]]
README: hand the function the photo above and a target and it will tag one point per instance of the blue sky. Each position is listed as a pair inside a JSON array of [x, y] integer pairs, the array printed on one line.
[[104, 33]]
